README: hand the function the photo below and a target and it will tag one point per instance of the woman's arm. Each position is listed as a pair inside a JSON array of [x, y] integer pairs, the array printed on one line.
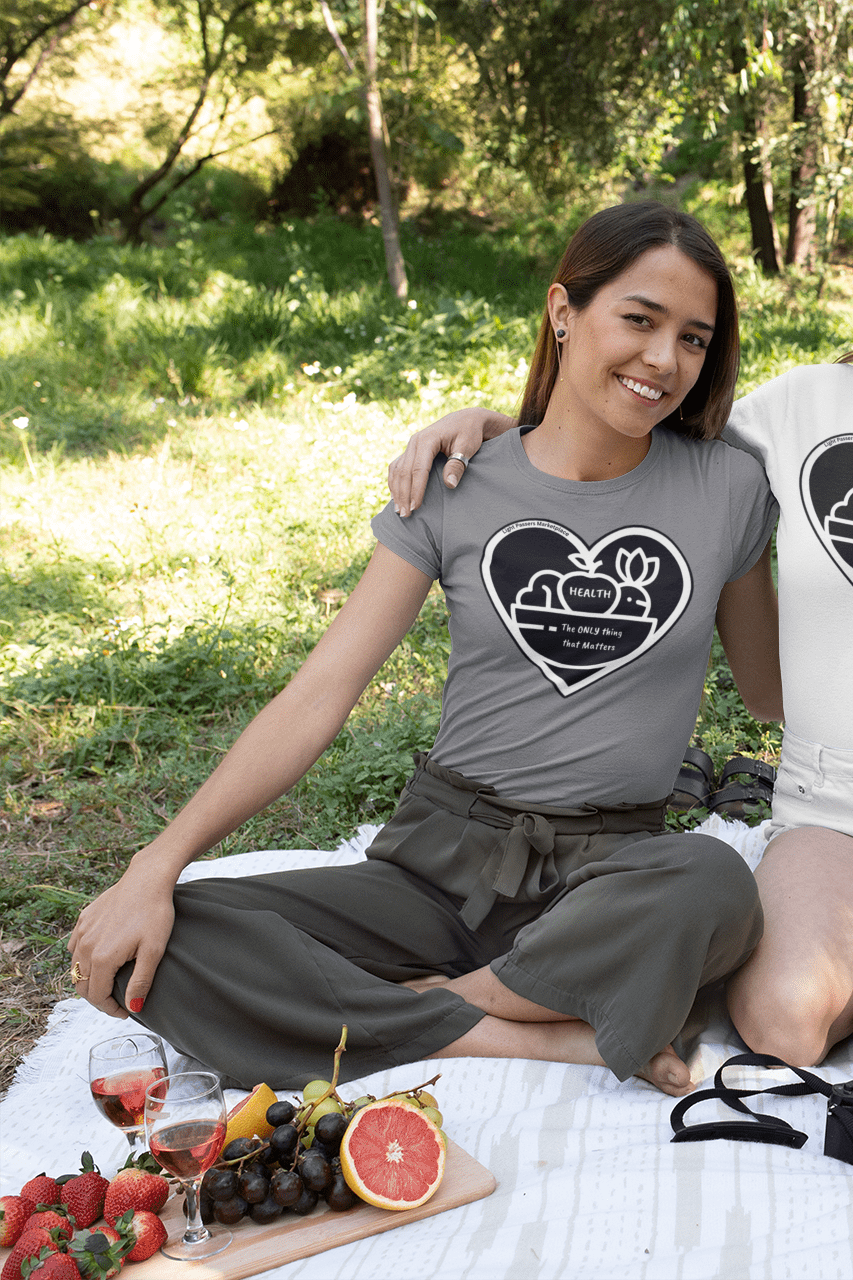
[[748, 625], [460, 432], [133, 919]]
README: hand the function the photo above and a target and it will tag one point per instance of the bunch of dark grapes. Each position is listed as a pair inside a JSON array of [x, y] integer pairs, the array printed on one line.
[[300, 1161], [291, 1170]]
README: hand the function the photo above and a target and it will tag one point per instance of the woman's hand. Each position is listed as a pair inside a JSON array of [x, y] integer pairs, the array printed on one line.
[[460, 432], [132, 920]]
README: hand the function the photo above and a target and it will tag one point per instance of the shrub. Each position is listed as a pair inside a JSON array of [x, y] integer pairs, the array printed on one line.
[[50, 183]]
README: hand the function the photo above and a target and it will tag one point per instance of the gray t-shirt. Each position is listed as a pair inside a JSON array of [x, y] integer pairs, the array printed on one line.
[[581, 613]]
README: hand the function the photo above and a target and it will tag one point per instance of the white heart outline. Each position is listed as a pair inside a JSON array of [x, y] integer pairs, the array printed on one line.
[[579, 545], [806, 494]]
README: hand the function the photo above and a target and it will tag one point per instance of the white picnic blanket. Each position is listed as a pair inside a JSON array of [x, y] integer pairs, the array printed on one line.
[[589, 1185]]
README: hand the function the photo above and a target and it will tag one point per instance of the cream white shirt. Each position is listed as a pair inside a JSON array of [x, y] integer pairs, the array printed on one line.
[[800, 426]]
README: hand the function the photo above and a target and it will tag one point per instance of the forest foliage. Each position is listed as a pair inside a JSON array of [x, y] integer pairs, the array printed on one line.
[[109, 110]]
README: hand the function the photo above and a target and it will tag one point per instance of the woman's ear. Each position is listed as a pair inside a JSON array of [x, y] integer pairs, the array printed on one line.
[[559, 309]]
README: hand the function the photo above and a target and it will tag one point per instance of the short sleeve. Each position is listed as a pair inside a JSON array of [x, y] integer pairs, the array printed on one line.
[[418, 538], [758, 419], [753, 511]]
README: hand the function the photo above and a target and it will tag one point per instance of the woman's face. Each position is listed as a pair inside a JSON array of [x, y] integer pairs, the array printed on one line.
[[631, 356]]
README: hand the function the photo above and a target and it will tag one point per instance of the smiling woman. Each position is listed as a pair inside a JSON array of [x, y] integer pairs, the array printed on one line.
[[626, 256], [626, 361], [526, 864]]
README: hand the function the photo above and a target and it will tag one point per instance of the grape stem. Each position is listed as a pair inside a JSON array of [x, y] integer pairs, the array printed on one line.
[[331, 1092], [306, 1116], [418, 1089]]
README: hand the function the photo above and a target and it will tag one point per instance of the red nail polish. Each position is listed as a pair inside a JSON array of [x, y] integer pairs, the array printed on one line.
[[135, 1006]]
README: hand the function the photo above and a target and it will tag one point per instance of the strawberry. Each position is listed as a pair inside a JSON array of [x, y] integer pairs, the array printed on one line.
[[84, 1195], [148, 1230], [134, 1188], [48, 1219], [30, 1244], [100, 1254], [56, 1266], [14, 1211], [41, 1190]]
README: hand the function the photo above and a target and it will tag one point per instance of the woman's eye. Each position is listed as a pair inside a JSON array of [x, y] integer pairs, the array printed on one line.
[[644, 320], [696, 341]]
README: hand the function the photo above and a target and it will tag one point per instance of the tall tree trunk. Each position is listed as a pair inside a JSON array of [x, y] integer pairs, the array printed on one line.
[[379, 154], [802, 219], [762, 228], [376, 136], [760, 216]]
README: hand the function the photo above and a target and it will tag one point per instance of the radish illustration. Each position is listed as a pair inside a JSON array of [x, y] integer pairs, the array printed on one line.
[[587, 590], [635, 569]]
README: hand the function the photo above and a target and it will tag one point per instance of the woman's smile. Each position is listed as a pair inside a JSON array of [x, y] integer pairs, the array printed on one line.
[[630, 357], [642, 389]]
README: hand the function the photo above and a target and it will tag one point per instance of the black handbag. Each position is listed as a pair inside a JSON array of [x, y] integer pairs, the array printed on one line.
[[838, 1137]]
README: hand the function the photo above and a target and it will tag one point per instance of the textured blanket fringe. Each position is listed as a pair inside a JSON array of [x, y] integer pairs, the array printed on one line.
[[48, 1047], [360, 841]]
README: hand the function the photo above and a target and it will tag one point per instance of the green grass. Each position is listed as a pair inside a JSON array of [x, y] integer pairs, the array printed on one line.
[[98, 337], [192, 442]]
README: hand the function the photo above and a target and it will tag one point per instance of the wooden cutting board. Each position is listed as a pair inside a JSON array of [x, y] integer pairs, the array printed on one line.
[[255, 1248]]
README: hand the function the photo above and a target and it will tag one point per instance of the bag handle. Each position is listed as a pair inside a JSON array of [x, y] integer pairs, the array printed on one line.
[[760, 1128]]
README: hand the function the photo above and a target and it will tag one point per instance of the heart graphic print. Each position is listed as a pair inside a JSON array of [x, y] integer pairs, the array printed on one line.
[[826, 485], [577, 611]]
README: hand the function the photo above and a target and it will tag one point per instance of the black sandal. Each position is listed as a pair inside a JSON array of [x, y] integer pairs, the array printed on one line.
[[695, 782], [744, 800]]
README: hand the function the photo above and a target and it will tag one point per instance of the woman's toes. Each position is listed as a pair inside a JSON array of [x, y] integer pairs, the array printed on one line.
[[668, 1073]]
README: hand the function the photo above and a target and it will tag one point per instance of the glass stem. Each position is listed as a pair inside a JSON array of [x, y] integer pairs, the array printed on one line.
[[196, 1230]]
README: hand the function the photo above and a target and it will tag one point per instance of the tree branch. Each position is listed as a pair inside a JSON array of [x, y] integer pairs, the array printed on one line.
[[59, 26], [194, 168], [14, 53], [332, 28]]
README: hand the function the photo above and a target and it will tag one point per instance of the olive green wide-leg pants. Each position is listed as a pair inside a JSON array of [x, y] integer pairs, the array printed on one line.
[[618, 929]]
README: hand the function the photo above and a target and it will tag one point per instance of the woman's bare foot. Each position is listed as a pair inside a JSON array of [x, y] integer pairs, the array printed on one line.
[[517, 1028], [667, 1072]]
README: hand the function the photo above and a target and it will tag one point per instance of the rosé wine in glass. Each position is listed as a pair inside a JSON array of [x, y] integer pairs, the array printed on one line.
[[121, 1097], [185, 1123], [120, 1070], [190, 1148]]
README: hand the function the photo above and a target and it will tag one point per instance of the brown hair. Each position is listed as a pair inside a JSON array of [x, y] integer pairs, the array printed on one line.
[[848, 359], [607, 244]]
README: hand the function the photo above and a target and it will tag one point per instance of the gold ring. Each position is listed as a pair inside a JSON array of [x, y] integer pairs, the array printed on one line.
[[77, 974]]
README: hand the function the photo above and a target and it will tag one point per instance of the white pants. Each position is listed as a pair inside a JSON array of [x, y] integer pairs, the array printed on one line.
[[814, 788]]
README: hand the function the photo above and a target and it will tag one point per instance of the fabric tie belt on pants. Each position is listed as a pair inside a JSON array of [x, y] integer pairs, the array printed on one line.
[[524, 856]]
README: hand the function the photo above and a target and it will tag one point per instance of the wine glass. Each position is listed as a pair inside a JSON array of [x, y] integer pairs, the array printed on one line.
[[120, 1070], [185, 1123]]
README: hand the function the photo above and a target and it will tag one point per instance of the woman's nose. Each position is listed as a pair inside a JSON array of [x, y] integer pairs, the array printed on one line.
[[662, 352]]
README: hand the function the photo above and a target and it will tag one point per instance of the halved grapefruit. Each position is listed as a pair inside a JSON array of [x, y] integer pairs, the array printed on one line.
[[392, 1155]]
